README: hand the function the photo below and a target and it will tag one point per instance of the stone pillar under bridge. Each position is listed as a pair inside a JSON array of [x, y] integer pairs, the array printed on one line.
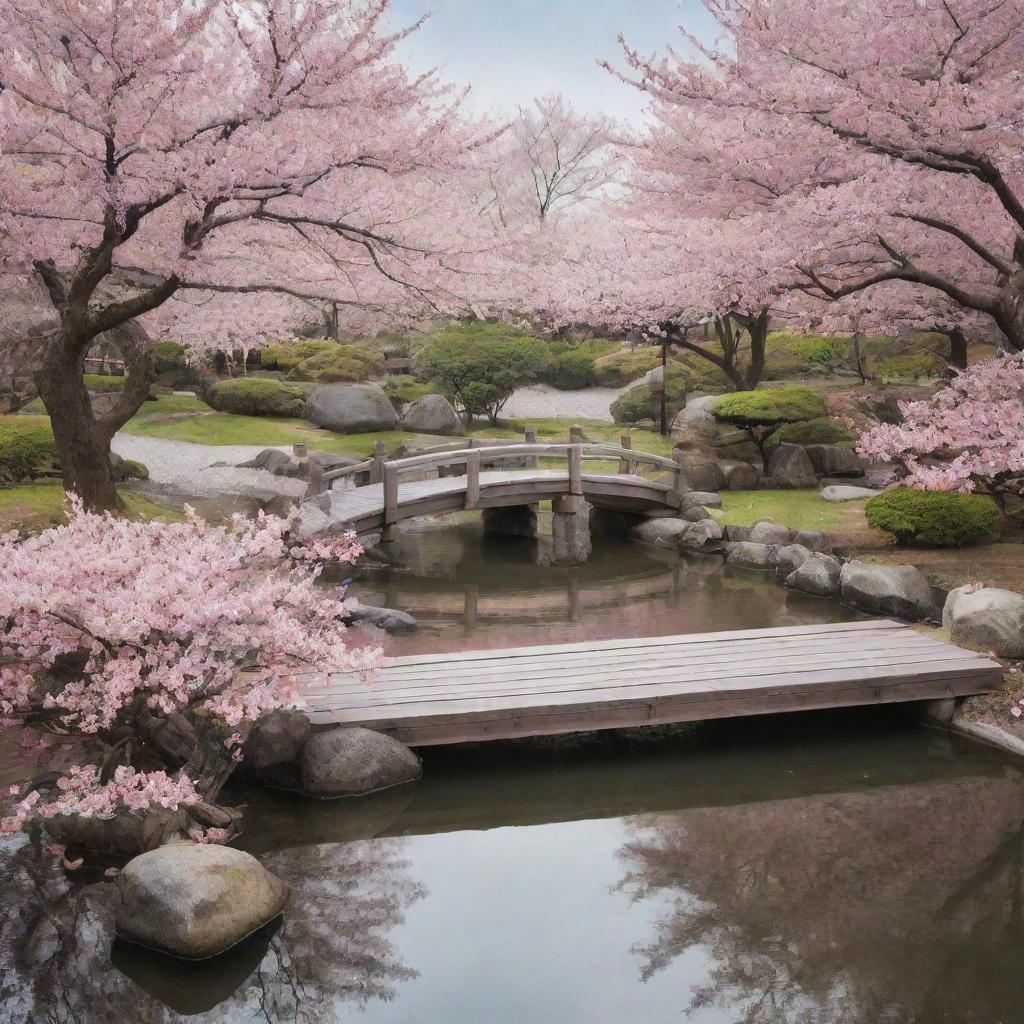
[[570, 530]]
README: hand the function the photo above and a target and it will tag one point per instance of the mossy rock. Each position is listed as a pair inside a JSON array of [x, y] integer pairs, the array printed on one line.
[[257, 396], [935, 518]]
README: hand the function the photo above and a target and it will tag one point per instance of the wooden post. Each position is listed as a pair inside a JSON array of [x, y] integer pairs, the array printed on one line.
[[316, 479], [299, 450], [390, 494], [530, 437], [471, 601], [576, 469], [626, 465], [380, 456], [575, 435], [679, 487], [472, 479]]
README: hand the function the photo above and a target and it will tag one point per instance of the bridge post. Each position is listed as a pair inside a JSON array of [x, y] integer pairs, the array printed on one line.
[[576, 469], [390, 503], [679, 485], [576, 434], [530, 437], [570, 530], [380, 456], [472, 479], [625, 465]]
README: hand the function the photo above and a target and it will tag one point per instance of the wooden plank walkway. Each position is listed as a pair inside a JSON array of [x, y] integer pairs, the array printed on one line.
[[532, 691]]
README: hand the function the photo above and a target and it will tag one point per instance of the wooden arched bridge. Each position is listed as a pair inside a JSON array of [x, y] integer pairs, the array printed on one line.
[[476, 474]]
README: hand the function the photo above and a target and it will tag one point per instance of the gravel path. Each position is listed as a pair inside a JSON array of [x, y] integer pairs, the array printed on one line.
[[543, 402], [189, 468]]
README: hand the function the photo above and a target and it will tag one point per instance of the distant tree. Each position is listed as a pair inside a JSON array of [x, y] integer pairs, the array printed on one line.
[[479, 366], [762, 413]]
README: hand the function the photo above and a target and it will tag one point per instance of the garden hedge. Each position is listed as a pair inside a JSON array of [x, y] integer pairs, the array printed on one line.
[[935, 518], [27, 449]]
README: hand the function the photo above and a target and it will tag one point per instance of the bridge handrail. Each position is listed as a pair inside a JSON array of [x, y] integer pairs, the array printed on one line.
[[595, 452]]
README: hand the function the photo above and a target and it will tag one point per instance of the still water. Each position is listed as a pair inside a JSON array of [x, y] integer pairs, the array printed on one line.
[[839, 868]]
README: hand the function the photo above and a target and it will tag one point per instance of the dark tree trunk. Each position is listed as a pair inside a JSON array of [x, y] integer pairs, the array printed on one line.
[[82, 437], [757, 328], [957, 348]]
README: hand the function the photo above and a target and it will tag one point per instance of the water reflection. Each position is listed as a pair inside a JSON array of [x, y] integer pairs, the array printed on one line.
[[466, 589], [829, 869]]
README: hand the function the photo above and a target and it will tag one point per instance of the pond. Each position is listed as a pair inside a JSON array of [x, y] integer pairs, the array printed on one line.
[[471, 591], [845, 867], [835, 869]]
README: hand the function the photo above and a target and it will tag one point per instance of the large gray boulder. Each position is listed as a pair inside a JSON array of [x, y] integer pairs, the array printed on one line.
[[790, 557], [818, 575], [432, 414], [699, 409], [741, 476], [662, 532], [899, 590], [702, 472], [696, 513], [986, 619], [767, 532], [790, 467], [354, 762], [834, 460], [272, 749], [813, 541], [706, 499], [749, 555], [196, 901], [351, 408]]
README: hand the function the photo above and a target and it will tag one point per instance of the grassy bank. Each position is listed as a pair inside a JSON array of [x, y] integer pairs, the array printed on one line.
[[30, 508], [801, 510]]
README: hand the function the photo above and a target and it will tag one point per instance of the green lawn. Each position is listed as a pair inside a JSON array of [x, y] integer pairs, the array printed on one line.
[[178, 418], [799, 510], [29, 508]]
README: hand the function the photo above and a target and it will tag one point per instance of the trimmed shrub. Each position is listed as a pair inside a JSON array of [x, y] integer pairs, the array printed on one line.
[[643, 402], [570, 371], [257, 396], [168, 356], [911, 366], [129, 469], [286, 355], [27, 449], [341, 364], [819, 431], [762, 413], [935, 518], [478, 366], [404, 388]]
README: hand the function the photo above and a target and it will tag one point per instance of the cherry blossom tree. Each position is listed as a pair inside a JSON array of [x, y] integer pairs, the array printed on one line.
[[157, 646], [880, 142], [968, 436], [157, 155]]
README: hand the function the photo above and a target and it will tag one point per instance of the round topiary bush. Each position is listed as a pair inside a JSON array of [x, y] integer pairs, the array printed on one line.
[[936, 518], [257, 396], [341, 364], [27, 449], [571, 371], [820, 431]]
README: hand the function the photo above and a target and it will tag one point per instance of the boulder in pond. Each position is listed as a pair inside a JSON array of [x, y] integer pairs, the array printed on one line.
[[766, 532], [196, 901], [790, 467], [391, 620], [352, 761], [696, 514], [750, 555], [986, 619], [789, 557], [432, 414], [818, 575], [272, 749], [662, 532], [703, 536], [899, 590], [351, 408]]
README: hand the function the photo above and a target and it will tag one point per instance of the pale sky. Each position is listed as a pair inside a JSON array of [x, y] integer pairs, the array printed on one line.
[[513, 50]]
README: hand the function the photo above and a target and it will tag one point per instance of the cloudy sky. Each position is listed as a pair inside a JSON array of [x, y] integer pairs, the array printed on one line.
[[512, 50]]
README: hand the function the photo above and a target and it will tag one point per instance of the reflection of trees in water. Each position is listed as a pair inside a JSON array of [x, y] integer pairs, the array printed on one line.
[[332, 951], [891, 906]]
